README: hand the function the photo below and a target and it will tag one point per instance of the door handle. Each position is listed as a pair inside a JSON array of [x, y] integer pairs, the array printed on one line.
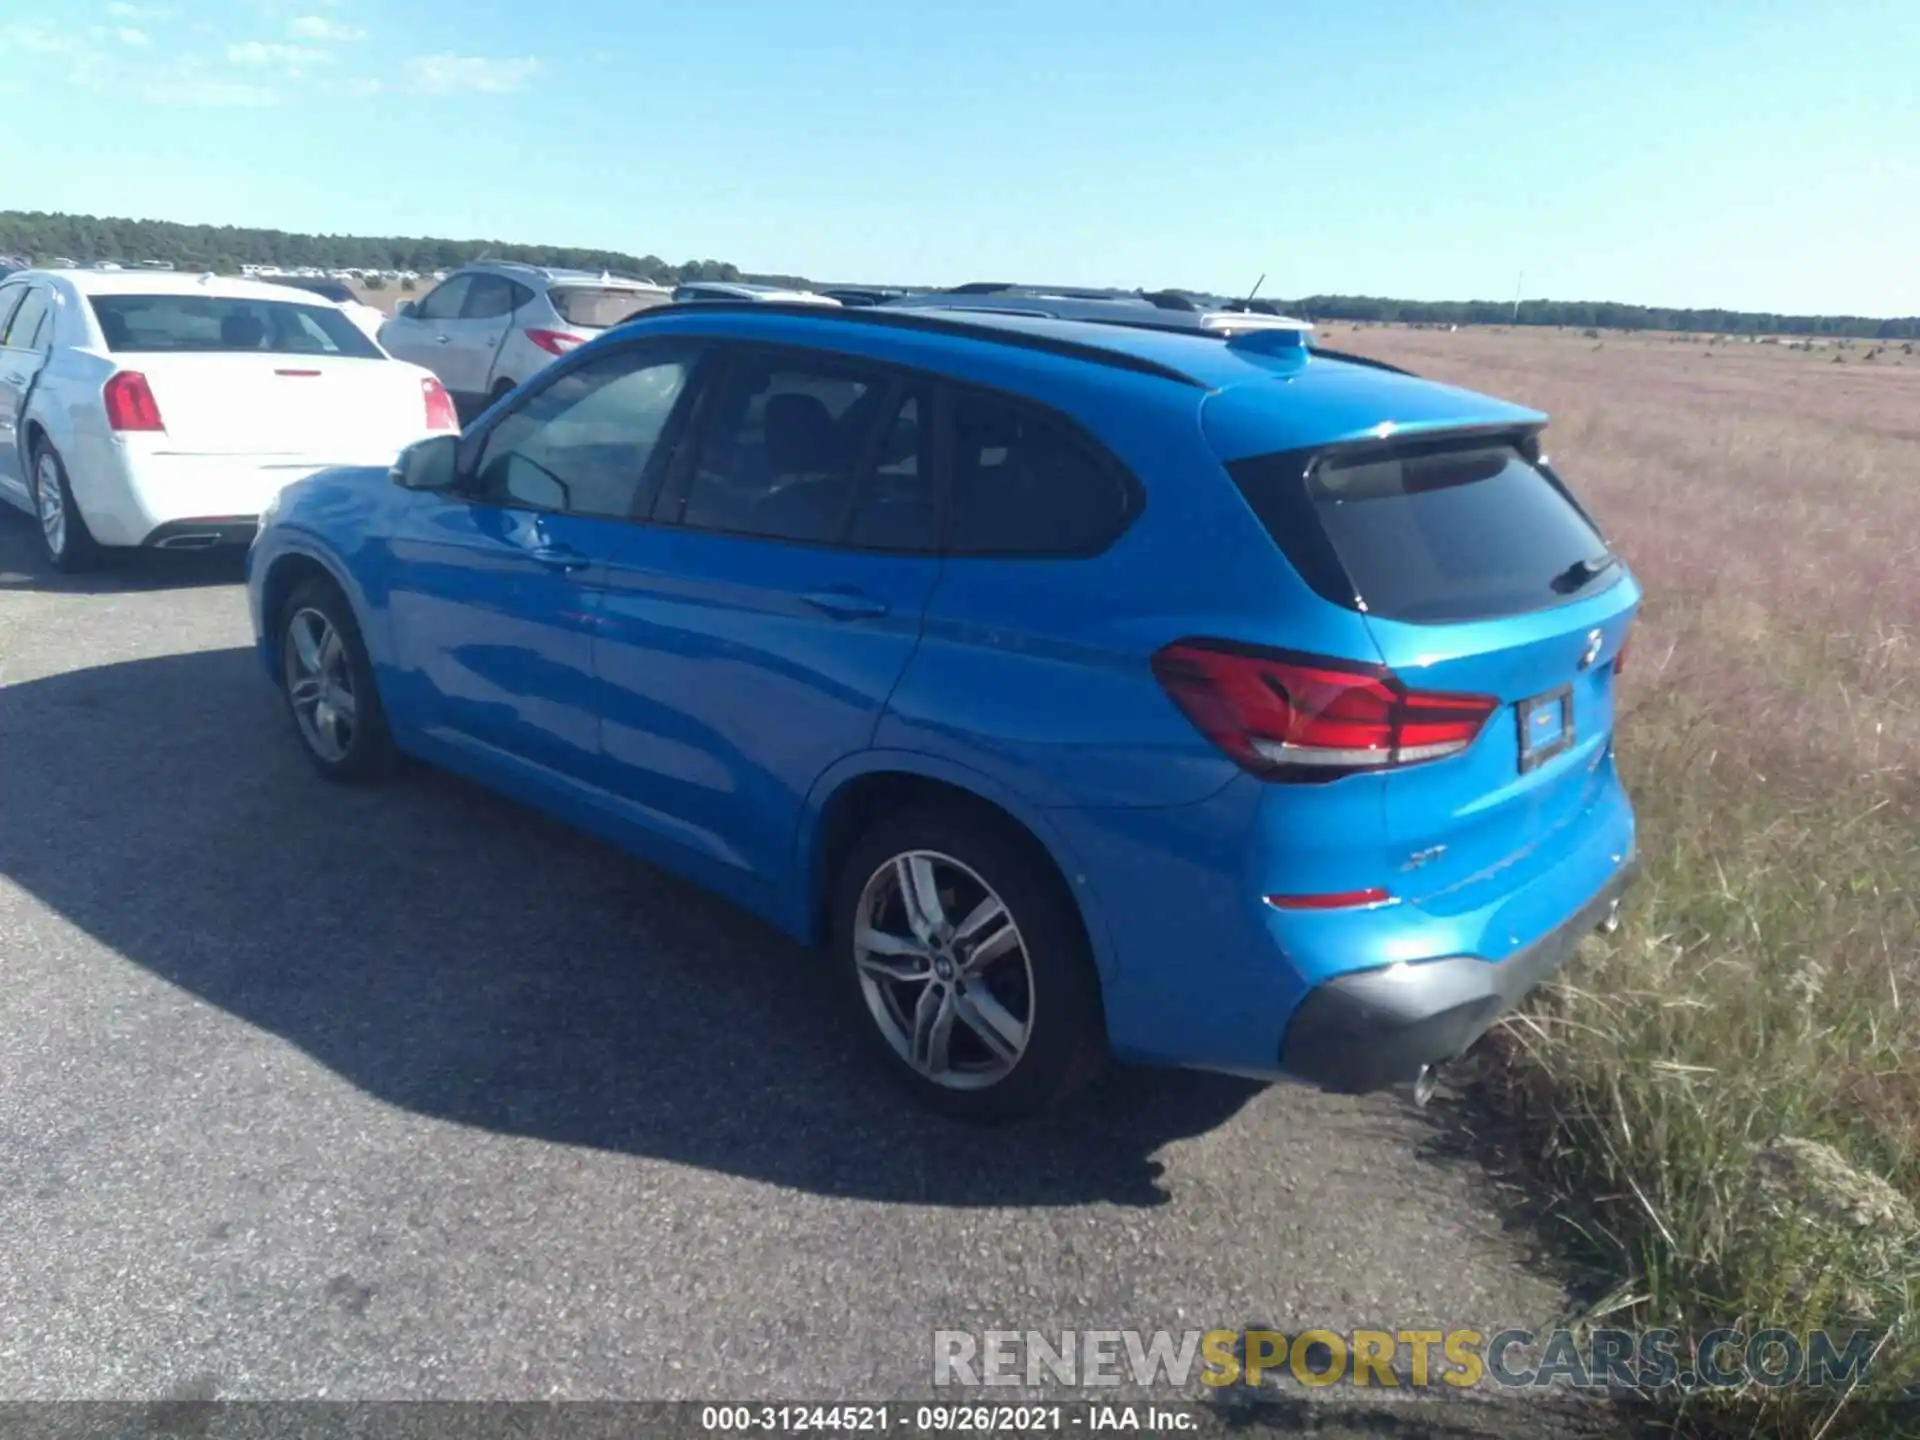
[[13, 379], [559, 557], [846, 604], [444, 339]]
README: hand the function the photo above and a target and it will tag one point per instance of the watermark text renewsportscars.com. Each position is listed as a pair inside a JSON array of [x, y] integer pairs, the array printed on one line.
[[1460, 1359]]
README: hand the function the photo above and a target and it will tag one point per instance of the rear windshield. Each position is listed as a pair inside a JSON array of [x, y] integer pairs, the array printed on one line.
[[1429, 533], [594, 308], [217, 324]]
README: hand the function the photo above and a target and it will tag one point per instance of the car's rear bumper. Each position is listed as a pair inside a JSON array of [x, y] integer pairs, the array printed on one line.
[[144, 496], [1371, 1029]]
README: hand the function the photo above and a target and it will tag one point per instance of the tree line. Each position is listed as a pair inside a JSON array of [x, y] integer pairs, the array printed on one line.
[[43, 236], [46, 236]]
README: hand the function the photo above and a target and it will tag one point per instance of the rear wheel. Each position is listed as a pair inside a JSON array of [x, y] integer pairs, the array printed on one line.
[[965, 965], [64, 538], [328, 682]]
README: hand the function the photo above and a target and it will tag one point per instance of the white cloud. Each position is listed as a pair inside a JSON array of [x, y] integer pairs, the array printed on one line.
[[261, 54], [454, 74], [318, 27], [120, 10], [130, 36]]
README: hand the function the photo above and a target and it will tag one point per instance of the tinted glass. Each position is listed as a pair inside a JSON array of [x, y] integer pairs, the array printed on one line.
[[23, 330], [445, 301], [1024, 485], [593, 308], [584, 443], [491, 296], [10, 298], [780, 451], [1434, 533], [214, 323], [896, 508]]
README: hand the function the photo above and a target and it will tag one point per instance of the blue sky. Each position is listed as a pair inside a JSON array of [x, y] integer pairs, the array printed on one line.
[[1690, 152]]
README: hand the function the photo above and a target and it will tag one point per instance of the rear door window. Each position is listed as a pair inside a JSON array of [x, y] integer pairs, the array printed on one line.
[[1023, 483], [23, 330], [491, 296], [1436, 532]]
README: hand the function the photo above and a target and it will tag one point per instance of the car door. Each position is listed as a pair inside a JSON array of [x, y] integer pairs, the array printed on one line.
[[417, 337], [752, 634], [25, 333], [495, 587], [470, 342]]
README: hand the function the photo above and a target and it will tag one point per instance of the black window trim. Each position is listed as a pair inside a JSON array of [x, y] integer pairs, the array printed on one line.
[[473, 443]]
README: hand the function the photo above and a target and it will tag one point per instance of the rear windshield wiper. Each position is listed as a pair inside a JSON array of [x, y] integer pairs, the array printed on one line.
[[1582, 572]]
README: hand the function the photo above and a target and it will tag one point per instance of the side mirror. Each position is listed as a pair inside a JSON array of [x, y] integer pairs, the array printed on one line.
[[432, 464], [404, 310]]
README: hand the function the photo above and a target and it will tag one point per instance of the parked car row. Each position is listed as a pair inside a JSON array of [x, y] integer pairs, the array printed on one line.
[[1087, 675]]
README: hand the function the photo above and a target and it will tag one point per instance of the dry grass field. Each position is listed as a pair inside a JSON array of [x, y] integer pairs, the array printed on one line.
[[1766, 991]]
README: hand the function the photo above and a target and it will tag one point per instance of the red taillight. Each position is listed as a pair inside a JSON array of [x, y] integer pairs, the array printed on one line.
[[130, 403], [1296, 717], [440, 412], [554, 342], [1343, 900], [1620, 655]]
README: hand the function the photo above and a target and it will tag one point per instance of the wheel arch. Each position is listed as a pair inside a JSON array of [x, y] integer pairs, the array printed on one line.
[[286, 570], [851, 796]]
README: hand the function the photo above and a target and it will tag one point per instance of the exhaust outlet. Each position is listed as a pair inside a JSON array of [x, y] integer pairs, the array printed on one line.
[[189, 542], [1612, 923]]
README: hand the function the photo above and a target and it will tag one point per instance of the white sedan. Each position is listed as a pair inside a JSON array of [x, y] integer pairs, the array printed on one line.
[[167, 410]]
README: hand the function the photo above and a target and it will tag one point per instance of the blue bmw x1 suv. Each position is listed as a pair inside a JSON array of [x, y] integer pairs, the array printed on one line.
[[1078, 689]]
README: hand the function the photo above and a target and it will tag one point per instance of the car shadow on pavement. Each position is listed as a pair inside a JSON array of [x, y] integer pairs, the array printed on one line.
[[24, 567], [453, 954]]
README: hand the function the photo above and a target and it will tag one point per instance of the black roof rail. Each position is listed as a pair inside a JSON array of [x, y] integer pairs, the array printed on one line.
[[982, 287], [952, 322], [1170, 300]]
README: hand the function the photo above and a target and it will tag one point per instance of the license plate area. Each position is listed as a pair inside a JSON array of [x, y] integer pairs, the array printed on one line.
[[1546, 727]]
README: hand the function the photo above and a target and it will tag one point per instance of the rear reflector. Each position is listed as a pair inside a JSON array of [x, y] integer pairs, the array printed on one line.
[[298, 374], [1283, 716], [554, 342], [1620, 655], [440, 412], [130, 404], [1344, 900]]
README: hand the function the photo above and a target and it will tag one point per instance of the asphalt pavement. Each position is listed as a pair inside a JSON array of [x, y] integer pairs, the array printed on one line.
[[311, 1091]]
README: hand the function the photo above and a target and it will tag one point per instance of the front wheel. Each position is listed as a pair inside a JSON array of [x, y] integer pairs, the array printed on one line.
[[327, 679], [966, 966]]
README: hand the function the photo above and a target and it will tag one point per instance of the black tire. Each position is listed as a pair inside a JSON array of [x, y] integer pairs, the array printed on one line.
[[1065, 1032], [366, 750], [78, 550]]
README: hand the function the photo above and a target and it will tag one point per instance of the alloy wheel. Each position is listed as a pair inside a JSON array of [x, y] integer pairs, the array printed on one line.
[[49, 503], [320, 684], [944, 970]]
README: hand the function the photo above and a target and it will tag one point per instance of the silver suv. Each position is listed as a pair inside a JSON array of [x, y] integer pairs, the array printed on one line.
[[489, 326]]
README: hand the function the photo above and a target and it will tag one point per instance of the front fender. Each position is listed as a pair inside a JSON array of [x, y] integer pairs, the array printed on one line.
[[809, 917]]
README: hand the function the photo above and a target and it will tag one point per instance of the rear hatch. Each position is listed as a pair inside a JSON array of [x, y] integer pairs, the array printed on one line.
[[1479, 576], [237, 374]]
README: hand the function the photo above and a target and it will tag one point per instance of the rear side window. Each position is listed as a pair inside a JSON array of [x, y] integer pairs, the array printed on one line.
[[492, 296], [1025, 484], [1438, 532], [592, 307], [23, 331], [216, 324]]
